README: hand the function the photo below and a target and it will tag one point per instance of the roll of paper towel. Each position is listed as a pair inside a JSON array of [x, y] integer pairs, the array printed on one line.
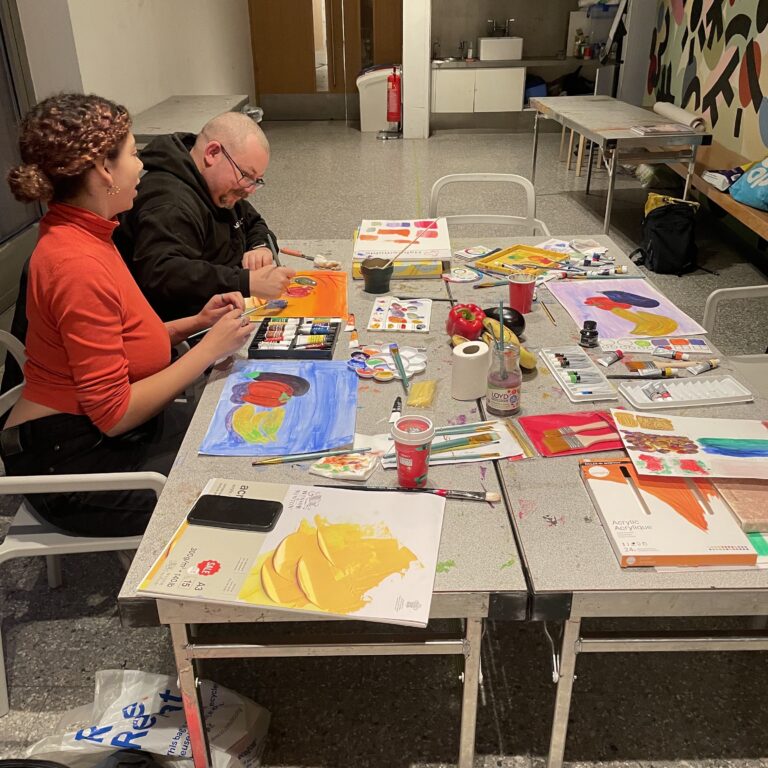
[[470, 370], [665, 109]]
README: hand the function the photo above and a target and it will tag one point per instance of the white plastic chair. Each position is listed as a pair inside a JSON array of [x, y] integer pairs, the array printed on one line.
[[30, 536], [536, 226], [754, 368]]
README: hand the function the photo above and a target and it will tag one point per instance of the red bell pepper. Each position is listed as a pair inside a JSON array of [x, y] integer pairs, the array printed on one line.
[[465, 320]]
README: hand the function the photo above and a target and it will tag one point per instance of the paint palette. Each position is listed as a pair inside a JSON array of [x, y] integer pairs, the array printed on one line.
[[685, 393], [578, 376], [391, 314], [377, 363], [422, 238], [645, 346]]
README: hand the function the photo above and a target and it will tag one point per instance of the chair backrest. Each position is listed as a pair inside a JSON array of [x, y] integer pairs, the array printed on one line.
[[529, 220], [725, 294], [16, 349]]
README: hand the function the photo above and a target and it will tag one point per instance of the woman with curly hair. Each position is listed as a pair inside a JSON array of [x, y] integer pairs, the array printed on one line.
[[99, 382]]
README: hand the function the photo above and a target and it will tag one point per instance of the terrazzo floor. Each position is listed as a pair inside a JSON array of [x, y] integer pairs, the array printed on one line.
[[659, 710]]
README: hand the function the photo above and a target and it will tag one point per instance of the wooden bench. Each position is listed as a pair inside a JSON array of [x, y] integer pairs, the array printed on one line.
[[716, 157]]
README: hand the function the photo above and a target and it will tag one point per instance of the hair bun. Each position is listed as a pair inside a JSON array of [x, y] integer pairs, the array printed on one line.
[[29, 183]]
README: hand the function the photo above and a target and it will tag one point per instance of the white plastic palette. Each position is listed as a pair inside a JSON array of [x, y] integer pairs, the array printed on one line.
[[377, 363], [591, 385], [391, 314], [686, 393]]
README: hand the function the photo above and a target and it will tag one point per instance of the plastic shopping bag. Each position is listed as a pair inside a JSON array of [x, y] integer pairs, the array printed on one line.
[[143, 711]]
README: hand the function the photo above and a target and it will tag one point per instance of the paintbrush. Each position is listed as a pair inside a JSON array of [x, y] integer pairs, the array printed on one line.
[[521, 437], [488, 496], [495, 284], [307, 456], [394, 350], [455, 429], [557, 443], [602, 424], [549, 314], [473, 441], [271, 244], [244, 314]]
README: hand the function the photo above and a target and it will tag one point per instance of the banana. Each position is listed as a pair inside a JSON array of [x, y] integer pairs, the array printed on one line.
[[456, 340], [493, 329]]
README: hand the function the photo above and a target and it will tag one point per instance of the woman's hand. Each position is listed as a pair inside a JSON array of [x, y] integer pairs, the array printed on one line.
[[218, 306], [228, 335]]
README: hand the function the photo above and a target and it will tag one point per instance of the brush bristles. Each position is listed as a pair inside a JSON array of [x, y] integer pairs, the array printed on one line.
[[493, 498]]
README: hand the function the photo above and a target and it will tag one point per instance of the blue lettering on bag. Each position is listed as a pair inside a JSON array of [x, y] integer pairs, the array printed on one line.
[[92, 733]]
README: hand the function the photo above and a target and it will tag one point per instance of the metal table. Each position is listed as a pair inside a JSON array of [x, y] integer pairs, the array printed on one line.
[[606, 123], [479, 572], [572, 569]]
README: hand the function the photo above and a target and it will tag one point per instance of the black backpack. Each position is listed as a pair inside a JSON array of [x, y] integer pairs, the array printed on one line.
[[668, 244]]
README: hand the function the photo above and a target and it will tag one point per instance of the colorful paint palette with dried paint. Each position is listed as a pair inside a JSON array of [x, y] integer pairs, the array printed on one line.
[[391, 314], [377, 363], [646, 346]]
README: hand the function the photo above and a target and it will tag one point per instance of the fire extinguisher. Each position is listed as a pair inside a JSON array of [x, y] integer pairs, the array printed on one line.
[[394, 109]]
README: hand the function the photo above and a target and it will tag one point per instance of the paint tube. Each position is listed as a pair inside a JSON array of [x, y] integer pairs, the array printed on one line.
[[615, 270], [670, 353], [703, 367], [610, 358], [656, 391]]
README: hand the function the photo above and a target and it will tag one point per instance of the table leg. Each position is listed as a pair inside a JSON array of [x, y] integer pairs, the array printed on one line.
[[562, 145], [590, 160], [190, 697], [564, 692], [613, 167], [689, 177], [535, 147], [472, 642], [570, 150], [580, 157]]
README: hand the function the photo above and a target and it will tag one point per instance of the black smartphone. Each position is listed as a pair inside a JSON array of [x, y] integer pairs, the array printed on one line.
[[260, 515]]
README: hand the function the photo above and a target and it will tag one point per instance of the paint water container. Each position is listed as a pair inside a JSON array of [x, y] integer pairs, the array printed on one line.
[[413, 440], [502, 395]]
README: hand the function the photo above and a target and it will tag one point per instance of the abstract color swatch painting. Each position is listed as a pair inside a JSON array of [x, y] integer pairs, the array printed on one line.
[[424, 238], [623, 308], [314, 293], [686, 446], [279, 408]]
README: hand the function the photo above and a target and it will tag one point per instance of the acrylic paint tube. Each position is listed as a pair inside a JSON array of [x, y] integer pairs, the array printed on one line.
[[610, 358], [703, 367], [670, 353], [617, 270], [656, 391]]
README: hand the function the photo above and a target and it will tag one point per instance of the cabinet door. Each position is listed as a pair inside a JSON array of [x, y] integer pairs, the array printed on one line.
[[499, 90], [453, 90]]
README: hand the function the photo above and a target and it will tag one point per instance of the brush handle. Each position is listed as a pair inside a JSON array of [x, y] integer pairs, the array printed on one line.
[[595, 439], [579, 428]]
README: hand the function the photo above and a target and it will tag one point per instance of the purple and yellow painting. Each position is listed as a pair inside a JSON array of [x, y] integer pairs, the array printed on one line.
[[623, 308], [279, 408]]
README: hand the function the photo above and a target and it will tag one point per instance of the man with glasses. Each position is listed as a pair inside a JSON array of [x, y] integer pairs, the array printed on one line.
[[192, 232]]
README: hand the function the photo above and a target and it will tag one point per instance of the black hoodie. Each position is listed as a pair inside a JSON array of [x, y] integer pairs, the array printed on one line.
[[180, 246]]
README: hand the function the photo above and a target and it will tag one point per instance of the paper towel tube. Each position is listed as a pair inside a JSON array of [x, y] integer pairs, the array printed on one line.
[[665, 109], [470, 370]]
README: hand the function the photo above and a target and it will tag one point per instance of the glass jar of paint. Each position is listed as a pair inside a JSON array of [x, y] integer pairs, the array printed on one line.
[[502, 396], [588, 335]]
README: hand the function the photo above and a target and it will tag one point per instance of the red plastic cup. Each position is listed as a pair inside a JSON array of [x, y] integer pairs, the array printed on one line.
[[413, 440], [521, 292]]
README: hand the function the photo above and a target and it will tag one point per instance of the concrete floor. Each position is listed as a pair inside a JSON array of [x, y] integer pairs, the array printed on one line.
[[628, 710]]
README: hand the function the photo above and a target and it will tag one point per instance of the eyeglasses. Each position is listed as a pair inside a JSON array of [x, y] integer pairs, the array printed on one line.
[[245, 180]]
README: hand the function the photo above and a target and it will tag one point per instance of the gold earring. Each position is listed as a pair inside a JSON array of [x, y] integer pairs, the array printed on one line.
[[113, 189]]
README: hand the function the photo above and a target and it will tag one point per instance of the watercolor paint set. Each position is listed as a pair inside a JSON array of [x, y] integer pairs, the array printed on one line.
[[296, 338], [577, 374], [685, 393], [646, 346], [392, 314]]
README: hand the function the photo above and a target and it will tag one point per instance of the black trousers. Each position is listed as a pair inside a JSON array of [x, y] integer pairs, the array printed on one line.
[[67, 444]]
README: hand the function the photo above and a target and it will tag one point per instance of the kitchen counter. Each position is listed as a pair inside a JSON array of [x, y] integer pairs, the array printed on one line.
[[543, 61]]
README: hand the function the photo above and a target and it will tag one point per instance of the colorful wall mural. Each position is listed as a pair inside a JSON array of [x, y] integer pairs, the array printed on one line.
[[709, 56]]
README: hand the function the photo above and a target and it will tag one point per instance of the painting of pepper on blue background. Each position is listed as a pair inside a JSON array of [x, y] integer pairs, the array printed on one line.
[[279, 408]]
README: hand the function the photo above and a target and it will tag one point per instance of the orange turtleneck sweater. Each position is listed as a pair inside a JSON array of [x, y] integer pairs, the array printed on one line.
[[91, 331]]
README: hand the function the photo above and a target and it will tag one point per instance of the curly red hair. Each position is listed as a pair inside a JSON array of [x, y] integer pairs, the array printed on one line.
[[60, 140]]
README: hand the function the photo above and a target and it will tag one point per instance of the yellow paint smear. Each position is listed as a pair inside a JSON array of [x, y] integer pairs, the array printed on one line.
[[328, 566], [647, 324]]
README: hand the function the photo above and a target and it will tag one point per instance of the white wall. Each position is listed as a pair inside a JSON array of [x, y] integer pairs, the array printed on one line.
[[50, 46], [139, 52]]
